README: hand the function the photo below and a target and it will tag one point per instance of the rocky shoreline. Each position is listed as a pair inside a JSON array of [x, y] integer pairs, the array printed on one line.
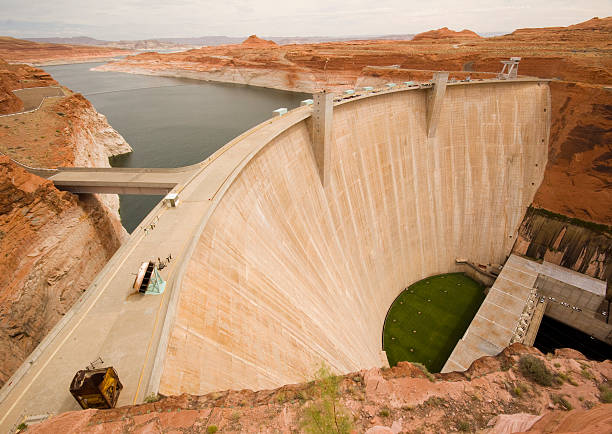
[[52, 243]]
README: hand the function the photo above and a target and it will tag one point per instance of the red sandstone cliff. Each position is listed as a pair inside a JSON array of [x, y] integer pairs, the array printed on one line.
[[38, 53], [493, 396], [52, 243], [446, 33], [578, 179], [254, 41], [13, 77]]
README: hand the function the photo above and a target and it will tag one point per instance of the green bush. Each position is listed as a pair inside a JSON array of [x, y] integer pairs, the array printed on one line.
[[22, 426], [534, 369], [154, 397], [423, 368], [463, 426], [562, 402], [384, 412], [212, 429], [586, 373], [605, 394], [326, 414]]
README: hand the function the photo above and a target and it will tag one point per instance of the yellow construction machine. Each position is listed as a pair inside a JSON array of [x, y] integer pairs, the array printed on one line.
[[96, 388]]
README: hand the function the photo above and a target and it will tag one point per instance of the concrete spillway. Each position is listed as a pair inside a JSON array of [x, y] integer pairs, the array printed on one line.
[[277, 268]]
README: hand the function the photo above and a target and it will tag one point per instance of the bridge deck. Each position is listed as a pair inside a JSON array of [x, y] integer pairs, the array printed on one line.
[[134, 181]]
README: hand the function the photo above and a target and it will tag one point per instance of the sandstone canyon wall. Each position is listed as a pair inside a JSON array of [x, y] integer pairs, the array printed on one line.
[[52, 243]]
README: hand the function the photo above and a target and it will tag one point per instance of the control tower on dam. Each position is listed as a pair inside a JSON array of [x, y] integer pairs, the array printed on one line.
[[292, 241]]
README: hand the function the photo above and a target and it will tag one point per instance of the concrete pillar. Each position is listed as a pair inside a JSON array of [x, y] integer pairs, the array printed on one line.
[[322, 117], [435, 97]]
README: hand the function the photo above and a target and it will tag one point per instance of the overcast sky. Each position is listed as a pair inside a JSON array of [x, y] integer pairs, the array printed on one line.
[[142, 19]]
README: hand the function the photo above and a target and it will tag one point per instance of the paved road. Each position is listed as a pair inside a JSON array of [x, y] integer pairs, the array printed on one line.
[[112, 320]]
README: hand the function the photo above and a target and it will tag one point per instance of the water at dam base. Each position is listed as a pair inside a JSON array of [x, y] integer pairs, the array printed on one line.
[[169, 122]]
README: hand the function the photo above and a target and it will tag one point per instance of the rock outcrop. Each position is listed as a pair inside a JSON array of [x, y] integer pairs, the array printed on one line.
[[568, 242], [13, 77], [52, 243], [493, 396], [578, 179], [37, 53], [446, 33], [254, 41]]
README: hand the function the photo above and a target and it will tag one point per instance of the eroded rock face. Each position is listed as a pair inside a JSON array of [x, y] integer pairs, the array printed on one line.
[[14, 77], [52, 243], [492, 396], [446, 33], [578, 179], [255, 41]]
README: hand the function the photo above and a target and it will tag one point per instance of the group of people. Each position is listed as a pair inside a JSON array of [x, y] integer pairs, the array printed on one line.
[[161, 264]]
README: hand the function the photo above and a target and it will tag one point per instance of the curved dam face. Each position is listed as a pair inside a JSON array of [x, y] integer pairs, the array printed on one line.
[[288, 273]]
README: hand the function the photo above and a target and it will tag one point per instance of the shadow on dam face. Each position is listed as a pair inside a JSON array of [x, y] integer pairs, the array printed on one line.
[[287, 273]]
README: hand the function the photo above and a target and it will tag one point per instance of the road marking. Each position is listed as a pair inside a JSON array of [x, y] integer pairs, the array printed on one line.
[[69, 333], [170, 278]]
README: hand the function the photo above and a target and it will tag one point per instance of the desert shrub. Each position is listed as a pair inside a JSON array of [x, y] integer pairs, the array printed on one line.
[[384, 412], [534, 369], [301, 396], [434, 401], [281, 397], [212, 429], [560, 377], [22, 426], [463, 425], [605, 393], [505, 363], [326, 414], [423, 368], [517, 390], [154, 397], [562, 402], [586, 373]]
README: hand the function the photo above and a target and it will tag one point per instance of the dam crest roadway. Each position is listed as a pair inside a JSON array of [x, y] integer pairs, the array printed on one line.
[[331, 209]]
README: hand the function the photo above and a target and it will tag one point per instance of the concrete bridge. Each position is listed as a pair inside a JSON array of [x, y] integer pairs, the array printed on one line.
[[291, 242], [120, 180]]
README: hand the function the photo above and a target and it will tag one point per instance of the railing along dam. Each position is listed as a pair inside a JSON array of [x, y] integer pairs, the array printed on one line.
[[289, 251]]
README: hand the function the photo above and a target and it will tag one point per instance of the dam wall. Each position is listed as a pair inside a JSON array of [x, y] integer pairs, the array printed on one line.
[[287, 272]]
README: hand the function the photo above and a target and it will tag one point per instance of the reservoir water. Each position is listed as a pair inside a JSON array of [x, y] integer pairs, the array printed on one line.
[[169, 122]]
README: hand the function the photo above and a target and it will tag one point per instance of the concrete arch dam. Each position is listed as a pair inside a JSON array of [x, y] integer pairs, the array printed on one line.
[[288, 271], [289, 251]]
